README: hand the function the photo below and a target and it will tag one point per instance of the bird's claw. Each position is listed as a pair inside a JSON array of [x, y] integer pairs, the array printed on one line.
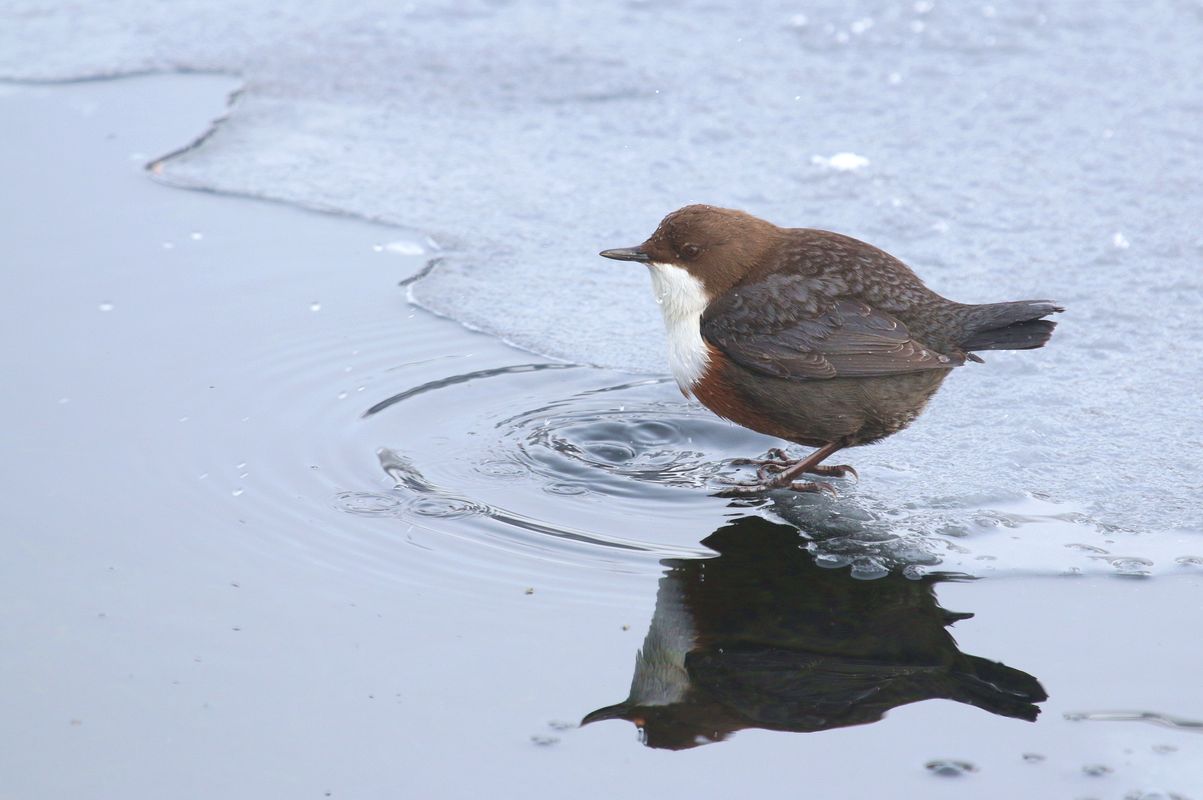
[[777, 471], [768, 468], [836, 471], [739, 490]]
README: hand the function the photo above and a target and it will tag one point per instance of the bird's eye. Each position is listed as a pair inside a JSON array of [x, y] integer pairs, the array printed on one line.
[[690, 251]]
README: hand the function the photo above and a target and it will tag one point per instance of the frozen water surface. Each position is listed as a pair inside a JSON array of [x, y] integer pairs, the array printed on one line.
[[255, 498], [998, 149]]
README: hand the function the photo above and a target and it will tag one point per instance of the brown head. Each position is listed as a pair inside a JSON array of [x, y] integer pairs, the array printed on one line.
[[676, 726], [718, 246]]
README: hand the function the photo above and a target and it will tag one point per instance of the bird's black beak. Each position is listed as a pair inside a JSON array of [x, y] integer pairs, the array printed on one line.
[[626, 254], [619, 711]]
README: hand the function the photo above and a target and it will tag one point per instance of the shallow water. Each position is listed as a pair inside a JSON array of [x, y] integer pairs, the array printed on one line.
[[272, 530]]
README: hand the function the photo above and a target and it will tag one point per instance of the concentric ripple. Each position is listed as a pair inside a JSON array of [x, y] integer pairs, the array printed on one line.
[[621, 439], [610, 466]]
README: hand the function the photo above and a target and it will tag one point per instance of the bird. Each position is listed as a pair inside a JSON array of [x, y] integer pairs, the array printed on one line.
[[811, 336]]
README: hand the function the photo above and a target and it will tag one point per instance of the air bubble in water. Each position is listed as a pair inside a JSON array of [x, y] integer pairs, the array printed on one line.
[[950, 768], [1131, 565]]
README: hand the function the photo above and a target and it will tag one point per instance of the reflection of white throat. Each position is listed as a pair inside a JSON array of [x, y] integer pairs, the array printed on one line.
[[682, 300], [660, 675]]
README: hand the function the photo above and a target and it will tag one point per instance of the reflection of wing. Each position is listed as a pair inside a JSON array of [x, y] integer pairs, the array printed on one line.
[[799, 690], [787, 327], [791, 689]]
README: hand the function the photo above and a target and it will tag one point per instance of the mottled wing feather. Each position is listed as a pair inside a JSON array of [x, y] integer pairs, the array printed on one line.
[[787, 328]]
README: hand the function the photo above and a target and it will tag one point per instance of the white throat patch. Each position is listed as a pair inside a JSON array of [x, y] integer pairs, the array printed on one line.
[[682, 300]]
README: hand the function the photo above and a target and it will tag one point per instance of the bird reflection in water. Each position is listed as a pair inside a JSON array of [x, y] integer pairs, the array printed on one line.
[[762, 637]]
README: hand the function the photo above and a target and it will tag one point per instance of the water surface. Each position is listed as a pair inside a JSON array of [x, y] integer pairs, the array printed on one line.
[[273, 531]]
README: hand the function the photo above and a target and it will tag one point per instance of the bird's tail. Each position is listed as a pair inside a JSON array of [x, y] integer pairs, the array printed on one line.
[[998, 688], [1008, 326]]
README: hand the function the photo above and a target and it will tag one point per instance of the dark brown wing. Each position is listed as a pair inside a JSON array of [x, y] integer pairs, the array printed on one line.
[[785, 327]]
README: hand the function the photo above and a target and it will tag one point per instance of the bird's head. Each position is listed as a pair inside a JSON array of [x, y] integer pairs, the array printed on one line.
[[716, 246]]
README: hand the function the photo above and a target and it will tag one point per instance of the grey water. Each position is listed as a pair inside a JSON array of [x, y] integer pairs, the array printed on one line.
[[272, 528]]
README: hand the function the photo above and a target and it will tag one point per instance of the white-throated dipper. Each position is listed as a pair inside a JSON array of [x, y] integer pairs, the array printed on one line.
[[811, 336]]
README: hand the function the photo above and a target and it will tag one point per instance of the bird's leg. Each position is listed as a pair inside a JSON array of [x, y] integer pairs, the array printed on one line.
[[785, 477]]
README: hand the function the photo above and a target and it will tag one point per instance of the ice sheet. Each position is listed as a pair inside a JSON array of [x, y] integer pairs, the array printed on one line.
[[1018, 151]]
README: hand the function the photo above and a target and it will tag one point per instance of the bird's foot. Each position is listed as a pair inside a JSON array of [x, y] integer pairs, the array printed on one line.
[[749, 489], [777, 461], [779, 471], [835, 471]]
